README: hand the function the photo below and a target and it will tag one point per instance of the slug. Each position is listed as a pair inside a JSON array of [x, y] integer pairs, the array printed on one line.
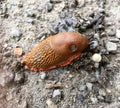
[[56, 51]]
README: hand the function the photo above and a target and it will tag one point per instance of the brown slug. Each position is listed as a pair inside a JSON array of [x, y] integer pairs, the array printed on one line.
[[55, 51]]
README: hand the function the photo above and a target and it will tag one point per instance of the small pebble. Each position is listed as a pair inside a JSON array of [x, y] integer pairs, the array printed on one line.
[[5, 45], [42, 75], [109, 23], [29, 20], [7, 54], [94, 44], [20, 5], [30, 13], [108, 90], [101, 27], [73, 3], [9, 96], [69, 21], [102, 92], [18, 51], [101, 98], [50, 104], [81, 20], [96, 36], [111, 47], [96, 66], [24, 104], [9, 6], [97, 58], [118, 34], [81, 3], [119, 98], [68, 14], [104, 51], [6, 78], [111, 32], [114, 39], [49, 7], [62, 15], [94, 100], [108, 98], [56, 93], [19, 77], [82, 87], [70, 76], [75, 23], [89, 86], [80, 97], [87, 22], [15, 32], [103, 34], [2, 96]]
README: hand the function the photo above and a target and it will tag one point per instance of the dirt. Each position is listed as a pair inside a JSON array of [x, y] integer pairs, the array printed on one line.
[[81, 84]]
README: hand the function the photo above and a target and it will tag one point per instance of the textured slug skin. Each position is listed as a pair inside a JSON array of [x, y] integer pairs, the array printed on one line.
[[55, 51]]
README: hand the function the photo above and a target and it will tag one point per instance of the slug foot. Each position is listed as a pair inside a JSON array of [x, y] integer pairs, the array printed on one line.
[[39, 69]]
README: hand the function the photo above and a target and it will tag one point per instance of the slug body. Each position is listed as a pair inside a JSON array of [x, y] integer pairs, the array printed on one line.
[[55, 51]]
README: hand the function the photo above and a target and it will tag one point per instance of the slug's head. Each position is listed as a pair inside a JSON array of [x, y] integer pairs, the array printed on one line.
[[69, 43]]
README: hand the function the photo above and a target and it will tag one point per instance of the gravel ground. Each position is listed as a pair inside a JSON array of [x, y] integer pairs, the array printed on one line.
[[84, 83]]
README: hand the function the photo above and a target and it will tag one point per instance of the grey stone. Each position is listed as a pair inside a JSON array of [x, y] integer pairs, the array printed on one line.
[[42, 75], [89, 86], [111, 47], [119, 98], [9, 6], [15, 32], [29, 20], [96, 36], [56, 93], [118, 33], [69, 21], [80, 97], [49, 7]]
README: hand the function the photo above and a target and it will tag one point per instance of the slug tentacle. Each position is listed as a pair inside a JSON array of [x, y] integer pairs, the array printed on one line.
[[56, 51]]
